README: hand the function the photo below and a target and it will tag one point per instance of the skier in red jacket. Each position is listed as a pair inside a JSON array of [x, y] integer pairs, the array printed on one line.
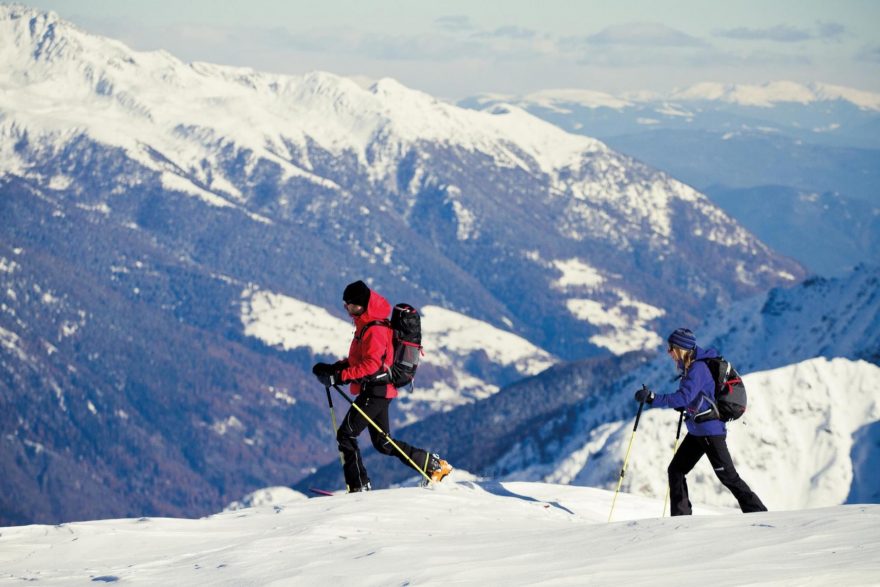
[[370, 354]]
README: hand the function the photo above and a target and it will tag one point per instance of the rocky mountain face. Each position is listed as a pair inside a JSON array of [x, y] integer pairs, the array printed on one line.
[[784, 159], [145, 200], [781, 216]]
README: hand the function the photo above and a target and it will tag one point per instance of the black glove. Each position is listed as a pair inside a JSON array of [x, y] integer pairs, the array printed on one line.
[[331, 378], [322, 369], [644, 396], [325, 379]]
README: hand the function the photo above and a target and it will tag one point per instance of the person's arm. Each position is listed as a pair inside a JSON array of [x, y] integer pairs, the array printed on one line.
[[374, 347], [681, 398]]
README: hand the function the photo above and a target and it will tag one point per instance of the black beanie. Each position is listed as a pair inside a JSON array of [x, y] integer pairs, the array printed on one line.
[[356, 293]]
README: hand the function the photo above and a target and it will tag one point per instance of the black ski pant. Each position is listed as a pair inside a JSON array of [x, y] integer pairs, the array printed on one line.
[[692, 450], [354, 423]]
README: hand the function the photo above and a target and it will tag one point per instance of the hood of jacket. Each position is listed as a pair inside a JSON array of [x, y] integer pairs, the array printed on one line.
[[378, 308]]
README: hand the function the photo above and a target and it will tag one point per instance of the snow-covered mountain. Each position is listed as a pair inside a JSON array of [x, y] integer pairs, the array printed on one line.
[[820, 110], [382, 173], [773, 139], [765, 95], [465, 533]]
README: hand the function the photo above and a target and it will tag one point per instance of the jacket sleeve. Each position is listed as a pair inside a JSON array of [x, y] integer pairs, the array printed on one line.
[[374, 347], [687, 392]]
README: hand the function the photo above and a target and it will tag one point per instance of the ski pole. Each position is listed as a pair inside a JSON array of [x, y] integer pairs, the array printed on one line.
[[333, 422], [626, 458], [382, 432], [674, 450]]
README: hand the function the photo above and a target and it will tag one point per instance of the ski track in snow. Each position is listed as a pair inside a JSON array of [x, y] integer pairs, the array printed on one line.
[[462, 533]]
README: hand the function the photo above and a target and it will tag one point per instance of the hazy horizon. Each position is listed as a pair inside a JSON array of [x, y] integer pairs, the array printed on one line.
[[458, 49]]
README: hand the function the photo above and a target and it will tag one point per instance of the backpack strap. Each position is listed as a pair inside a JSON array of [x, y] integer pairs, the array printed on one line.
[[385, 323], [360, 336]]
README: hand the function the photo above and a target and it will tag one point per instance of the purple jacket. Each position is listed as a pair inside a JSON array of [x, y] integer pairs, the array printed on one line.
[[695, 389]]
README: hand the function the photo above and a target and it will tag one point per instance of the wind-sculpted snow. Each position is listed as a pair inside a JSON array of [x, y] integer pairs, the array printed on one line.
[[468, 532]]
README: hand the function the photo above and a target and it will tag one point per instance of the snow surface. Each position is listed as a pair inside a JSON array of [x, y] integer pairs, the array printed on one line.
[[459, 533], [627, 322]]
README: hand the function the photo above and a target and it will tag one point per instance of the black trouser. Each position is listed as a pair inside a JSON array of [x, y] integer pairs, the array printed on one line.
[[354, 423], [692, 450]]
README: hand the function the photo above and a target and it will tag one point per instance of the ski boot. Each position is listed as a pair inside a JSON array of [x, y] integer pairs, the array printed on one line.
[[437, 468]]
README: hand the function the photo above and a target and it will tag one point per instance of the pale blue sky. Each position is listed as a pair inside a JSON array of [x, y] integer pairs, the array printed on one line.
[[456, 48]]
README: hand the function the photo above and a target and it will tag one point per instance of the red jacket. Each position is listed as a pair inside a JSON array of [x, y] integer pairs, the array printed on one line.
[[373, 350]]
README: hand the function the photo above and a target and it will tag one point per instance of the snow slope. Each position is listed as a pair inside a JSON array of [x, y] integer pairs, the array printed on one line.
[[466, 533], [820, 317], [795, 446]]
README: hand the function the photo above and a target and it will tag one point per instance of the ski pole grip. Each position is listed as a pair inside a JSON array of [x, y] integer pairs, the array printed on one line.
[[639, 414]]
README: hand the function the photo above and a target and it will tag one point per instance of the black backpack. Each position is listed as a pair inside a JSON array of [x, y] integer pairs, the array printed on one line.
[[730, 392], [406, 325]]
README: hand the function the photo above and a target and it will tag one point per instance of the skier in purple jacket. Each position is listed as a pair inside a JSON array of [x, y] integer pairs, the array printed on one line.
[[695, 395]]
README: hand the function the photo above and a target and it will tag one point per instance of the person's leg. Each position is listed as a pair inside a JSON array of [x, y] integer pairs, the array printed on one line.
[[687, 455], [378, 410], [722, 463], [353, 465]]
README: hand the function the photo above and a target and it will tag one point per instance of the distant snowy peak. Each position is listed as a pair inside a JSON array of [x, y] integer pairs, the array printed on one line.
[[555, 99], [773, 93], [586, 98], [760, 95]]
